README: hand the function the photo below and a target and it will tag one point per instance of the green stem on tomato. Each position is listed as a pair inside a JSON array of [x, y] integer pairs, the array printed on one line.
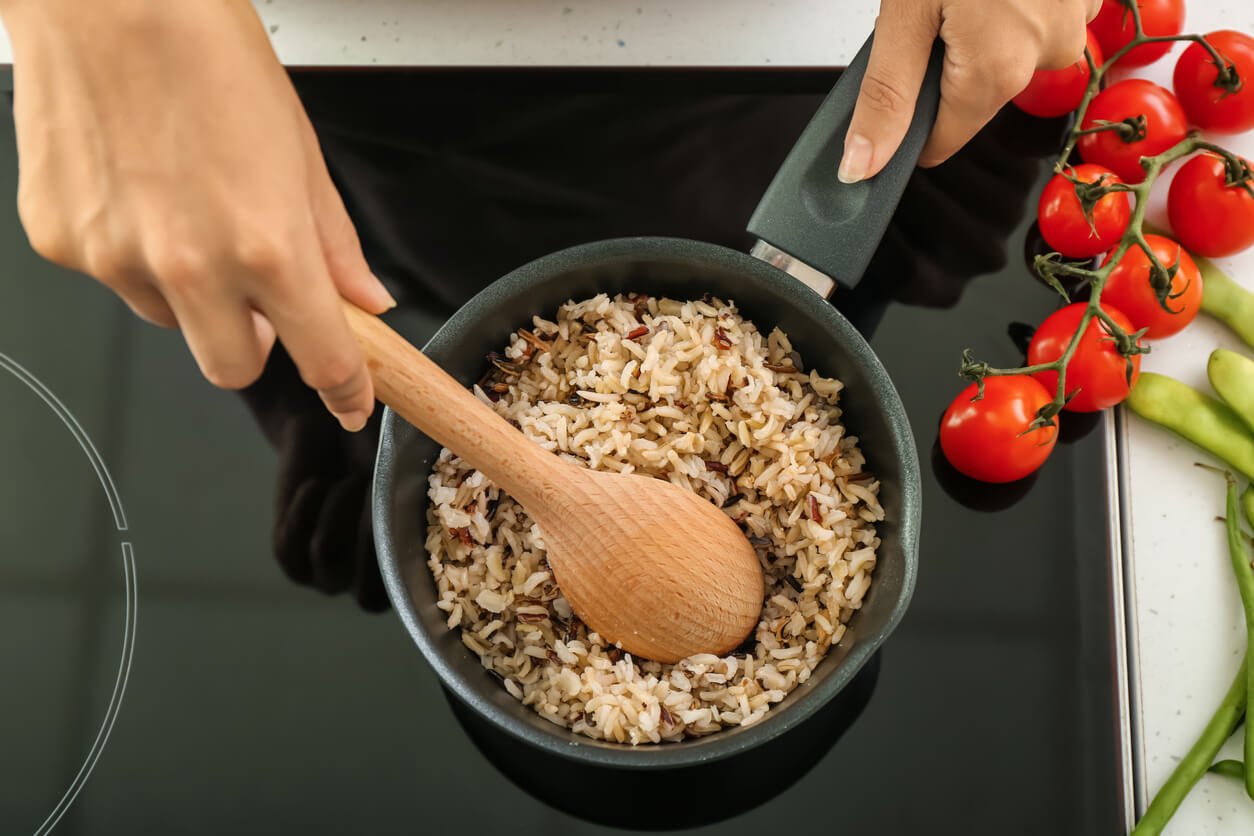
[[1050, 267], [1063, 268], [1222, 65], [1073, 136]]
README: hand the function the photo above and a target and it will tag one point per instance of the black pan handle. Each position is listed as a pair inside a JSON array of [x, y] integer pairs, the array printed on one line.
[[831, 226]]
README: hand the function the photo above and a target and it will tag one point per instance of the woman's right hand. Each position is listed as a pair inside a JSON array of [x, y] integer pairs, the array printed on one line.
[[992, 47], [164, 151]]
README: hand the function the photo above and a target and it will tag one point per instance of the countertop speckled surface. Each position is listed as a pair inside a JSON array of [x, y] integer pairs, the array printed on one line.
[[1188, 631], [564, 32]]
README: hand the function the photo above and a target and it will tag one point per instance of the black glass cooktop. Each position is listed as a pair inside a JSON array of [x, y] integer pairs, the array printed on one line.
[[193, 637]]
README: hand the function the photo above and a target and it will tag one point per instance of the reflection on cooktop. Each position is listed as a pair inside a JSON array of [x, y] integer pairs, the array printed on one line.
[[254, 701]]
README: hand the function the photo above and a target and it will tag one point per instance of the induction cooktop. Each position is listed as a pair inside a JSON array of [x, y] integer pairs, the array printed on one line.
[[193, 636]]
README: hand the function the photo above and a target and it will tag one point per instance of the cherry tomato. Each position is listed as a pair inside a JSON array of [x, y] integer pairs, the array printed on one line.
[[1210, 217], [1114, 28], [1055, 92], [988, 439], [1097, 369], [1062, 220], [1217, 107], [1165, 125], [1128, 289]]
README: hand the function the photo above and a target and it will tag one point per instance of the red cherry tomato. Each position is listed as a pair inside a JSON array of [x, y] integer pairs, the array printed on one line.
[[1165, 125], [988, 439], [1062, 220], [1128, 289], [1097, 369], [1055, 92], [1114, 28], [1210, 217], [1218, 108]]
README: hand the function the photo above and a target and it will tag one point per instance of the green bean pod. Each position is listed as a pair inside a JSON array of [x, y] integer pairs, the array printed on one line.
[[1209, 423], [1232, 375], [1226, 300], [1247, 502], [1229, 769], [1194, 764], [1245, 585], [1232, 709]]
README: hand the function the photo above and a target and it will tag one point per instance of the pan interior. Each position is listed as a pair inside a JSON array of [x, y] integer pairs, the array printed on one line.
[[681, 270]]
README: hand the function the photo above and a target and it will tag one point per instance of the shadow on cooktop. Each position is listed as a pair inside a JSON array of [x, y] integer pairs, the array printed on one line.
[[675, 798]]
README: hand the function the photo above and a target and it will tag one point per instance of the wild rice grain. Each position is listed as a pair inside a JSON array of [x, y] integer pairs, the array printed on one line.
[[683, 390]]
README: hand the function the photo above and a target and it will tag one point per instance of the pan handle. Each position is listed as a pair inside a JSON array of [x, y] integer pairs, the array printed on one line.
[[808, 218]]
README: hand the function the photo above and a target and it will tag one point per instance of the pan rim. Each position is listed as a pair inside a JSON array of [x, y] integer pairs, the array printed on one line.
[[720, 745]]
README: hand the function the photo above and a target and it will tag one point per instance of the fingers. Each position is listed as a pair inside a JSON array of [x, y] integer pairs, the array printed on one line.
[[991, 51], [263, 329], [146, 302], [307, 313], [904, 33], [340, 245], [982, 73], [232, 307], [342, 250], [1063, 42], [971, 93], [222, 336]]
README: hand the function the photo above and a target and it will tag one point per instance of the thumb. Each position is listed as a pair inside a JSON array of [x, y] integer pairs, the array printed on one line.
[[904, 34]]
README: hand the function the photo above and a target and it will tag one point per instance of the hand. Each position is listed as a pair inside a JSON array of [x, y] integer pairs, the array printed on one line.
[[164, 152], [992, 47]]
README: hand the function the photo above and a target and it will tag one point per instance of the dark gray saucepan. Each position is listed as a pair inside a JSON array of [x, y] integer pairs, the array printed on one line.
[[810, 225]]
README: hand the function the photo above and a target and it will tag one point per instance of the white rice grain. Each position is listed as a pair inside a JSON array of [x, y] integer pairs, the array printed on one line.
[[700, 391]]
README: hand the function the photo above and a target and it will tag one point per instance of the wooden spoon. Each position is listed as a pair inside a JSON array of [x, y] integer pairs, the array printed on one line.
[[645, 563]]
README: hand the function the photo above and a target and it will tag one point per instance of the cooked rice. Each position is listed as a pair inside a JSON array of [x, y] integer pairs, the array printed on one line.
[[693, 393]]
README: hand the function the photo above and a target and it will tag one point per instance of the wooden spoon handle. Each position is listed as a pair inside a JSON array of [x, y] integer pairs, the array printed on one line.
[[429, 398]]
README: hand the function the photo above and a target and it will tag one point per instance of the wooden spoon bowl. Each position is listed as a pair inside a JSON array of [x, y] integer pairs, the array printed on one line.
[[651, 567]]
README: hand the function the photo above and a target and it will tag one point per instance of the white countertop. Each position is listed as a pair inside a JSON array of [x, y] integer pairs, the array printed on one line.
[[1188, 632], [1188, 629], [563, 32]]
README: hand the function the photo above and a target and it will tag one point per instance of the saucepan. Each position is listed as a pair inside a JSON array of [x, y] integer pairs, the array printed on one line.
[[814, 233]]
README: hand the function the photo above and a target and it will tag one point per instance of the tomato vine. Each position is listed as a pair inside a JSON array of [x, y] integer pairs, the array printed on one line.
[[1052, 267]]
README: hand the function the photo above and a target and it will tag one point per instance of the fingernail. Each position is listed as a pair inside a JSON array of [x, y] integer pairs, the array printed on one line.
[[385, 298], [857, 159], [353, 421]]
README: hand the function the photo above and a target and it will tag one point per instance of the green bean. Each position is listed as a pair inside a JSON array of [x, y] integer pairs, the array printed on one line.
[[1245, 584], [1193, 765], [1199, 418], [1232, 375], [1230, 711], [1229, 769], [1247, 500], [1226, 300]]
